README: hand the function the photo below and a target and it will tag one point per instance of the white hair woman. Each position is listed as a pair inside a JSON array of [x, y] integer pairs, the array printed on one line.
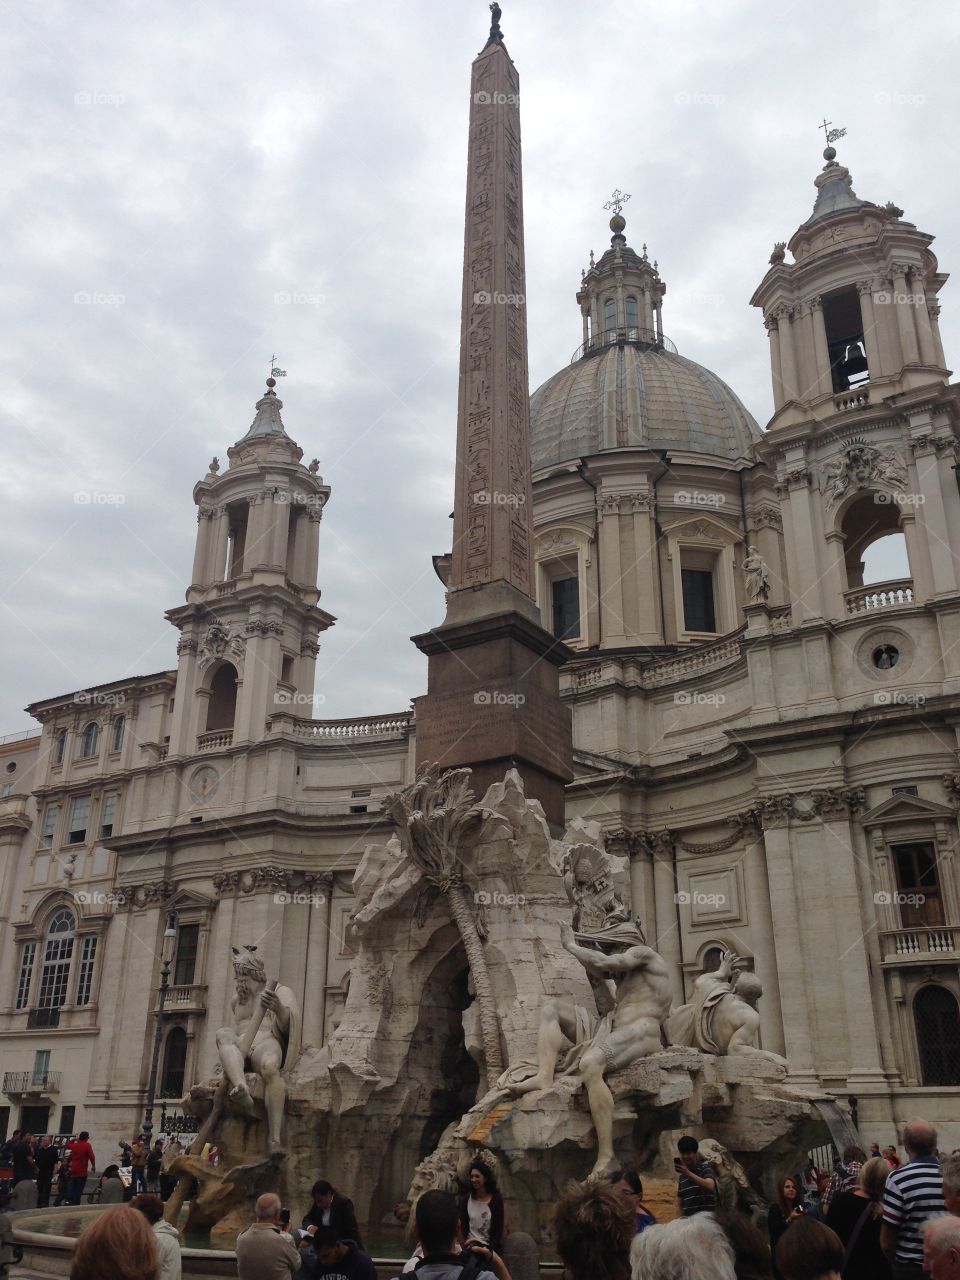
[[683, 1249]]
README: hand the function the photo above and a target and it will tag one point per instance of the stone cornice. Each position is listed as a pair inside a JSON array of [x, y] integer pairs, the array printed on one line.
[[275, 878]]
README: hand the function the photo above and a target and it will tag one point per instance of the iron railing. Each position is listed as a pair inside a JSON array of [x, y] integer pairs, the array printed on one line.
[[31, 1082], [614, 337]]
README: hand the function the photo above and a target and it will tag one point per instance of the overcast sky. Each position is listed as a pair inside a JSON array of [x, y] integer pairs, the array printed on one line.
[[181, 165]]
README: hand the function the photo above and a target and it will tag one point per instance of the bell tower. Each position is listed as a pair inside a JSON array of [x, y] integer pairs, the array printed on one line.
[[250, 627], [863, 439]]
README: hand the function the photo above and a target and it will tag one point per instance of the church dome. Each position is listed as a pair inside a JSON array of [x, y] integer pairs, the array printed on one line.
[[628, 394]]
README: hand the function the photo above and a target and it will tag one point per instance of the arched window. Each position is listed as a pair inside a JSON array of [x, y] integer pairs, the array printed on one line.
[[937, 1021], [57, 954], [223, 698], [875, 551], [118, 727], [59, 746], [90, 739], [712, 958], [632, 322], [610, 317], [174, 1064]]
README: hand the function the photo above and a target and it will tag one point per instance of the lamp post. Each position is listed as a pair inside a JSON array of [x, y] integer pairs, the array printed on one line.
[[166, 958]]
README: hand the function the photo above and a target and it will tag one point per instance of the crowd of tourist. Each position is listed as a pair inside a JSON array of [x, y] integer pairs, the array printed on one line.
[[37, 1173], [872, 1218]]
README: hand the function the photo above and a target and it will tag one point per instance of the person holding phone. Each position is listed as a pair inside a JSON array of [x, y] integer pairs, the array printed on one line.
[[696, 1181], [785, 1211]]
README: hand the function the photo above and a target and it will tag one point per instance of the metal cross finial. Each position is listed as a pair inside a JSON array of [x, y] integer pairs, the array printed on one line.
[[831, 135], [617, 201], [274, 371]]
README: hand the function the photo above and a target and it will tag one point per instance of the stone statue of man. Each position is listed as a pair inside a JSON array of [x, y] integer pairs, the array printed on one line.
[[275, 1046], [722, 1017], [631, 1030], [757, 576]]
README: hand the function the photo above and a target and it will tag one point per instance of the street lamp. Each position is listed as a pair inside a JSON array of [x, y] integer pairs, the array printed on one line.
[[166, 958]]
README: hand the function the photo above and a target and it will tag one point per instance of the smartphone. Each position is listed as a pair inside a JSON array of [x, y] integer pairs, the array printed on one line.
[[678, 1164]]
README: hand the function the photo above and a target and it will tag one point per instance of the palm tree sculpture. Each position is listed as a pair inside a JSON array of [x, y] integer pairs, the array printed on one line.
[[432, 816]]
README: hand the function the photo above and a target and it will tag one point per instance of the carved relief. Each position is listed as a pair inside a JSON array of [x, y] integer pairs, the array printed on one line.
[[860, 466]]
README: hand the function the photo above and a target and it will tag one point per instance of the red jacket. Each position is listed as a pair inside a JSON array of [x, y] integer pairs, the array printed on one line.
[[81, 1155]]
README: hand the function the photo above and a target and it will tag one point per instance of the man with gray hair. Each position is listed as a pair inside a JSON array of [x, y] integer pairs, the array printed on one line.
[[913, 1194], [264, 1250], [950, 1168], [941, 1248], [695, 1246]]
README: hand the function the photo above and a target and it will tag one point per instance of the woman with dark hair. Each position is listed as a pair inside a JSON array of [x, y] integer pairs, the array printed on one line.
[[111, 1185], [856, 1216], [118, 1242], [628, 1183], [787, 1208], [481, 1209], [594, 1227], [810, 1251]]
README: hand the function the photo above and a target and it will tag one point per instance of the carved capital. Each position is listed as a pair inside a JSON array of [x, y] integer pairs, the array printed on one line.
[[186, 644], [766, 516]]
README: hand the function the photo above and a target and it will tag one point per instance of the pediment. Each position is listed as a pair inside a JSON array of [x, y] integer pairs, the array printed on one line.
[[907, 809], [700, 525]]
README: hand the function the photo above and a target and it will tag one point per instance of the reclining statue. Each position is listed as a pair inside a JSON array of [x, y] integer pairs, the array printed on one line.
[[722, 1017]]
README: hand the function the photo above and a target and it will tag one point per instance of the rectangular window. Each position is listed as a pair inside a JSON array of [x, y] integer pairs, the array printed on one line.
[[843, 322], [49, 828], [7, 790], [699, 612], [185, 965], [918, 884], [79, 817], [68, 1117], [4, 1123], [565, 594], [27, 957], [88, 956], [41, 1066], [108, 812]]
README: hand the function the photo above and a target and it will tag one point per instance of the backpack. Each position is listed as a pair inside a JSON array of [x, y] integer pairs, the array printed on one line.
[[468, 1271]]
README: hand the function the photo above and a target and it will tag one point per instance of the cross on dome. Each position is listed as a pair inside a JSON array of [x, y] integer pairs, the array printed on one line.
[[617, 201]]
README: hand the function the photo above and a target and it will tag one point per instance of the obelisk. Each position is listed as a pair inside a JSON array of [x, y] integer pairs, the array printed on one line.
[[492, 698]]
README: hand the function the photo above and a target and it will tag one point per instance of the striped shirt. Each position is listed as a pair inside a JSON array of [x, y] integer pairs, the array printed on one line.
[[913, 1193], [694, 1198]]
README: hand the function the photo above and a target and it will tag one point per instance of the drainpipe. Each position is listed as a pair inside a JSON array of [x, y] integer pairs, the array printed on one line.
[[582, 473]]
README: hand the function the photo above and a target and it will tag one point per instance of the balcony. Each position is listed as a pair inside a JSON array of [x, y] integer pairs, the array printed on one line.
[[186, 999], [26, 1082], [43, 1018], [927, 945], [620, 337], [218, 740], [879, 596]]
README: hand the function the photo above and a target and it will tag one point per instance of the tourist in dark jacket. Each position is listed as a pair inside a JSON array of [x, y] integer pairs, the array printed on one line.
[[785, 1211], [327, 1255], [331, 1209], [859, 1213]]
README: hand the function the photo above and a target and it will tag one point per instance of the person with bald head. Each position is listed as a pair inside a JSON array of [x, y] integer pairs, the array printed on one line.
[[264, 1250], [941, 1248], [912, 1195]]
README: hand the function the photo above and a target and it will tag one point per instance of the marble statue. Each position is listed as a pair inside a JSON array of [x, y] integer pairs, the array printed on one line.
[[757, 576], [627, 1032], [722, 1017], [274, 1019]]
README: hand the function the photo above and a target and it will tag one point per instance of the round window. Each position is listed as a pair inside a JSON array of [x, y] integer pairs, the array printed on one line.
[[886, 656], [12, 767]]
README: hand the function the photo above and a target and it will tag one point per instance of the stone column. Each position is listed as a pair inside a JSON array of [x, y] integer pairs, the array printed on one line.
[[802, 558], [667, 942], [217, 567], [644, 541], [764, 942], [933, 313], [820, 347], [201, 555], [836, 582], [586, 325], [891, 356], [921, 318], [658, 317], [784, 891], [905, 314], [773, 333], [253, 548], [612, 626], [871, 341], [309, 535], [932, 513], [788, 356]]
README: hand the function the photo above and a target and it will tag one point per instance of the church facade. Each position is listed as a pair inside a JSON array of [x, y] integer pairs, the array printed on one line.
[[768, 741]]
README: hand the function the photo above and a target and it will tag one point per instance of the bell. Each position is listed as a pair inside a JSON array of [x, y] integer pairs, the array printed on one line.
[[854, 360]]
